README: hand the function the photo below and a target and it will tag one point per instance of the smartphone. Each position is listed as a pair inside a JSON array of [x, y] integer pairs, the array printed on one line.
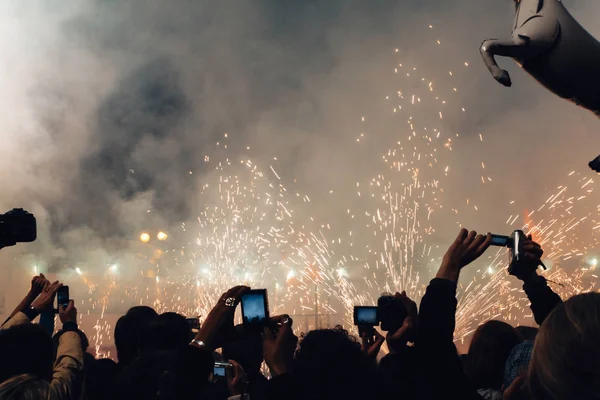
[[255, 308], [193, 323], [366, 315], [62, 296], [220, 370], [500, 240]]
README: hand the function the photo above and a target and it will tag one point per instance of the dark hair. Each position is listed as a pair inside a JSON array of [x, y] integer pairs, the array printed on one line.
[[248, 353], [489, 350], [26, 349], [527, 332], [168, 331], [24, 387], [330, 364], [127, 332], [100, 378]]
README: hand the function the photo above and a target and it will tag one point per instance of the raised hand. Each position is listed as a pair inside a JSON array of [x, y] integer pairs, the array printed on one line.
[[278, 351], [68, 314], [38, 284], [533, 254], [218, 326], [466, 248], [371, 345], [398, 340], [45, 301], [237, 381]]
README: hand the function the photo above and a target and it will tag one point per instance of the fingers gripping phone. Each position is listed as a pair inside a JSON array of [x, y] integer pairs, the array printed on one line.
[[62, 297], [366, 318], [255, 309]]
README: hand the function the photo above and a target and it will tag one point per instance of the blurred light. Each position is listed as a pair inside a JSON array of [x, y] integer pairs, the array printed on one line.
[[342, 273], [594, 262], [157, 280], [490, 270], [198, 284], [144, 237], [78, 270], [114, 268], [205, 271], [162, 236], [35, 269], [291, 274]]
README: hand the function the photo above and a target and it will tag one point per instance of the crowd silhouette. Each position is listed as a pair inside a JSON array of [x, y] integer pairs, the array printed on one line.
[[160, 358]]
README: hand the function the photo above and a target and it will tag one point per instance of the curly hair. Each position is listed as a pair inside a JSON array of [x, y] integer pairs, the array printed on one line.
[[327, 360]]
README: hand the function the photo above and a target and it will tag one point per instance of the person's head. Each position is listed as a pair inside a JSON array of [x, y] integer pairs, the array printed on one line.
[[100, 378], [168, 331], [566, 356], [26, 349], [489, 350], [527, 332], [330, 364], [248, 353], [24, 387], [127, 332]]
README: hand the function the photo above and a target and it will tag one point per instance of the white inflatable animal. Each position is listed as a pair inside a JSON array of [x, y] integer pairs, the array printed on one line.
[[555, 49]]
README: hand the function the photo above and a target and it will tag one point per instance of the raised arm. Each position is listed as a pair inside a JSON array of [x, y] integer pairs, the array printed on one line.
[[443, 375], [542, 298], [67, 377]]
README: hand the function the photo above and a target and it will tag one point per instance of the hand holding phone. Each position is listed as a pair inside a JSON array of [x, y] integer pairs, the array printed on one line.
[[62, 297]]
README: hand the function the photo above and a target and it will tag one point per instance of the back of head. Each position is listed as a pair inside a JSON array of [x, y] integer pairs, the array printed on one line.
[[24, 387], [26, 349], [128, 330], [489, 350], [248, 353], [566, 356], [168, 331], [330, 364], [527, 332]]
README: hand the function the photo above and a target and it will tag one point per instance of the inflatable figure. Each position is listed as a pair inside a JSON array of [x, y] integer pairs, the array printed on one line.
[[555, 49]]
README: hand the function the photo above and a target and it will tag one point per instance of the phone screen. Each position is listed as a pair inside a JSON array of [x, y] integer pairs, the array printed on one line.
[[365, 315], [62, 296], [500, 240], [255, 309], [219, 371]]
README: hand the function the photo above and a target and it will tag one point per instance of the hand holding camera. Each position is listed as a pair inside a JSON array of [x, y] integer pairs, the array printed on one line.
[[44, 302], [279, 346], [525, 254], [466, 248]]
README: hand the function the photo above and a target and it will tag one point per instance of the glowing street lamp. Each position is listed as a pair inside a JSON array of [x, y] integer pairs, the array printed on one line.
[[144, 237], [162, 236]]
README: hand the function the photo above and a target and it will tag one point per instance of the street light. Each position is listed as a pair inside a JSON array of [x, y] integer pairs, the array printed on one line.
[[162, 236]]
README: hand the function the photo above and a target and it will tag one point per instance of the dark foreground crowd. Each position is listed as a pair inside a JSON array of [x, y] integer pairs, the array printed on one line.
[[160, 358]]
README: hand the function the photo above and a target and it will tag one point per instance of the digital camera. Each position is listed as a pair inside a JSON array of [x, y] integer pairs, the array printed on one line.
[[17, 226]]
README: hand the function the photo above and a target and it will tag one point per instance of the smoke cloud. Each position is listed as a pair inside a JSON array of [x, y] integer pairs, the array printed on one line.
[[111, 108]]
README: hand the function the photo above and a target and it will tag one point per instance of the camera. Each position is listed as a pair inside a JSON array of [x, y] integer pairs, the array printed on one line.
[[517, 264], [17, 226], [391, 312]]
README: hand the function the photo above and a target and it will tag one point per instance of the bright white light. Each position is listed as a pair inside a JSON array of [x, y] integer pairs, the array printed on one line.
[[114, 268], [205, 271], [291, 274], [162, 236], [144, 237], [78, 270], [594, 262], [198, 284], [157, 280], [342, 273], [490, 270], [35, 269]]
